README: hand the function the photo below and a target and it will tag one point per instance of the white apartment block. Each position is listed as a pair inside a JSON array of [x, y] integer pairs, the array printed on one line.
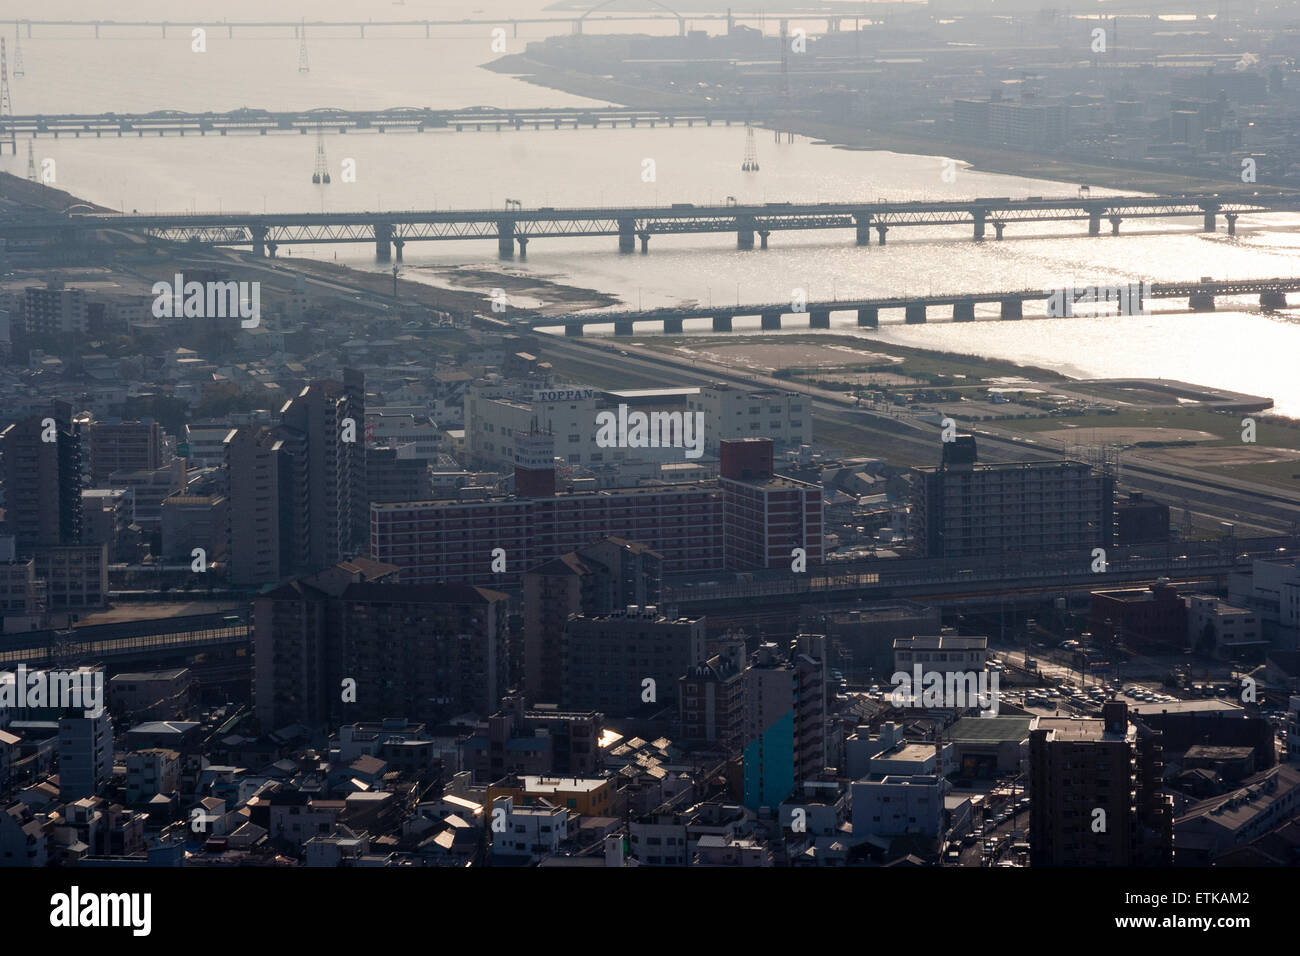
[[527, 831], [898, 805], [731, 412]]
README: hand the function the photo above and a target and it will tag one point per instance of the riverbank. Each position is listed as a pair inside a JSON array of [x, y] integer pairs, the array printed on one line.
[[982, 158]]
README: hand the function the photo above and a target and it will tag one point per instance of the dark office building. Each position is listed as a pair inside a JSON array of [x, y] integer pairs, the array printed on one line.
[[1139, 521], [42, 481], [1146, 620], [1097, 799]]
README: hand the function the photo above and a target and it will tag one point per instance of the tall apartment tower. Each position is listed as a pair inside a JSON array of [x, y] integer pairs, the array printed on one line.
[[766, 516], [323, 429], [1097, 797], [785, 719], [963, 509], [253, 461], [85, 755], [42, 481]]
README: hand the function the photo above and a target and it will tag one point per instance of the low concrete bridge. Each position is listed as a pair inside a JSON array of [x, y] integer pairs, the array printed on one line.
[[1200, 295]]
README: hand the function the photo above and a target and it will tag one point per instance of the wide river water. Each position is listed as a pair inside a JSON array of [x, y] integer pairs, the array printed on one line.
[[67, 70]]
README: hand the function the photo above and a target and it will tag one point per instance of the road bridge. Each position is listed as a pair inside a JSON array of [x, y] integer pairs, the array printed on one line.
[[517, 226]]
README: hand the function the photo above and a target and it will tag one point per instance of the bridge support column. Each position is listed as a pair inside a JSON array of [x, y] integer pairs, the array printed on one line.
[[998, 226], [914, 314], [1094, 224], [399, 245], [505, 238], [979, 216], [869, 317], [645, 242], [673, 325], [1272, 300], [963, 311], [770, 320], [626, 235], [259, 240], [745, 232], [1211, 223], [270, 249], [1013, 308], [1232, 222], [623, 327], [383, 242], [1201, 302], [881, 230], [574, 329], [863, 221], [819, 319], [1114, 224], [762, 238], [722, 323]]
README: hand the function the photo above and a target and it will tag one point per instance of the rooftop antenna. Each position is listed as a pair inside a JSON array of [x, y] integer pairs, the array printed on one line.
[[302, 48]]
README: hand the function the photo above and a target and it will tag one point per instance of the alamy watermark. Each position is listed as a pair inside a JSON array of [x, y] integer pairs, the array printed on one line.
[[951, 689], [1128, 299], [208, 300], [651, 430], [63, 690]]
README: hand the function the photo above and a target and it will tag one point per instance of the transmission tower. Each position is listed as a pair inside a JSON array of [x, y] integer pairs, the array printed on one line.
[[6, 106], [302, 48], [322, 173], [750, 162], [31, 163], [18, 51]]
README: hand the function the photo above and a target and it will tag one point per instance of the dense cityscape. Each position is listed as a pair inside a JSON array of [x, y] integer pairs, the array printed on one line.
[[396, 522]]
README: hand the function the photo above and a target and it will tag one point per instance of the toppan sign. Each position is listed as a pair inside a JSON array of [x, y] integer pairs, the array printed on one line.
[[550, 395]]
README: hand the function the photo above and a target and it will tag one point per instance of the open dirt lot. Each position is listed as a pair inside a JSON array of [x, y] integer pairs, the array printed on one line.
[[1123, 435], [794, 355]]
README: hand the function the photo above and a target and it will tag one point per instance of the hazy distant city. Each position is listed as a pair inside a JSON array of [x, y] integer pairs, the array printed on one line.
[[575, 434]]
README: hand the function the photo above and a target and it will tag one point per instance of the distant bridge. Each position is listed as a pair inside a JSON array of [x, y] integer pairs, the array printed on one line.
[[518, 226], [411, 119], [1200, 294]]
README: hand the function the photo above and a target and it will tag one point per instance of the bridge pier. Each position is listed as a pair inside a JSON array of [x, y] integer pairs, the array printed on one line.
[[645, 241], [881, 230], [769, 321], [762, 238], [914, 314], [819, 319], [1201, 302], [722, 323], [271, 247], [673, 325], [863, 221], [523, 246], [963, 311], [383, 242], [1232, 222], [574, 329], [399, 245], [505, 238], [1210, 222], [869, 317], [1272, 299], [1114, 224], [998, 226], [623, 326], [745, 232], [626, 235], [1094, 223], [979, 215], [1013, 307], [259, 240]]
